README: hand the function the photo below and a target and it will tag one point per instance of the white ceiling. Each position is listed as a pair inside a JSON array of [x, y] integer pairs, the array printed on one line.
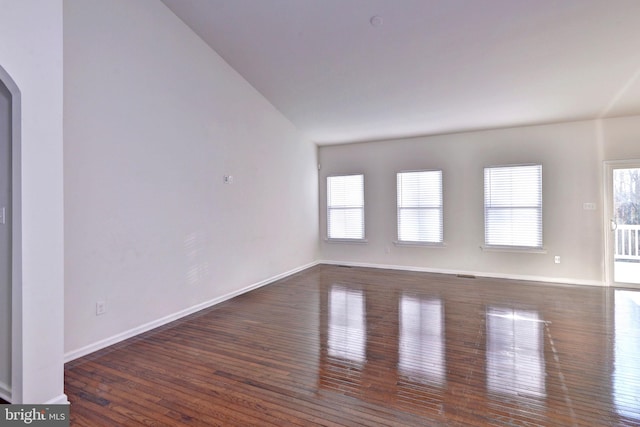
[[432, 66]]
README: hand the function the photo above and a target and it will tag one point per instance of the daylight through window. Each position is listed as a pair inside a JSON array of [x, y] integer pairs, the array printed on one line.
[[420, 206], [345, 207], [513, 206]]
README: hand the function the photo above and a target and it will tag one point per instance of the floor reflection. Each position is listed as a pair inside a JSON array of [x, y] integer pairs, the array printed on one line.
[[626, 376], [515, 357], [347, 332], [421, 351], [451, 350], [357, 346]]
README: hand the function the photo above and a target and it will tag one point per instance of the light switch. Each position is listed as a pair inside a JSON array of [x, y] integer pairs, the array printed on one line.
[[589, 206]]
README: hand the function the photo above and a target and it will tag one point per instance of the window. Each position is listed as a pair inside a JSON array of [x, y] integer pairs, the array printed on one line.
[[420, 206], [513, 206], [345, 207]]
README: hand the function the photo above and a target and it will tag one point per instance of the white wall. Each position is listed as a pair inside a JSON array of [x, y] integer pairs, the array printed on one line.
[[571, 157], [621, 138], [153, 120], [31, 53]]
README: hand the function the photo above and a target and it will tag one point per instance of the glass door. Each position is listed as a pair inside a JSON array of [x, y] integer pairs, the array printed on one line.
[[624, 222]]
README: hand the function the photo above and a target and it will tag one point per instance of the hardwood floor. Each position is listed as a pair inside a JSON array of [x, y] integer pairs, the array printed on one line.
[[353, 346]]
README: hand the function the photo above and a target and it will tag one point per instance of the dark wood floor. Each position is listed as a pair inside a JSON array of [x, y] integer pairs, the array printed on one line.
[[353, 346]]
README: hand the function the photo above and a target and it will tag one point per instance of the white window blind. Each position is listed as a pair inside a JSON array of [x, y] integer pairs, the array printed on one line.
[[420, 206], [345, 207], [513, 206]]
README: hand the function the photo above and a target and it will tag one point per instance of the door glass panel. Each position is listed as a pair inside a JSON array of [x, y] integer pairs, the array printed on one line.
[[626, 214]]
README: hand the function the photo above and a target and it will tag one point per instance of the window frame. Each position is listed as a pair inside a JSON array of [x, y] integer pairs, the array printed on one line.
[[439, 208], [539, 208], [330, 208]]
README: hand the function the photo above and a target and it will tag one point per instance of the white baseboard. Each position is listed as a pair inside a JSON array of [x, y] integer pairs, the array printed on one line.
[[60, 400], [554, 280], [5, 391], [74, 354]]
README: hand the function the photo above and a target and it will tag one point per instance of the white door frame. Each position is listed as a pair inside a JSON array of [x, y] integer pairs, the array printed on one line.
[[609, 166], [16, 237]]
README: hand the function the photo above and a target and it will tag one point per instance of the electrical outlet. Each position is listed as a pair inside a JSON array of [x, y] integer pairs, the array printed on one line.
[[101, 308], [556, 259]]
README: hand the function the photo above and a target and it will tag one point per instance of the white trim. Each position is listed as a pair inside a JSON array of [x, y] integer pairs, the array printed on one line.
[[544, 279], [399, 208], [5, 391], [329, 208], [16, 388], [608, 167], [74, 354], [352, 241], [515, 249], [489, 207], [60, 400], [607, 184], [420, 244]]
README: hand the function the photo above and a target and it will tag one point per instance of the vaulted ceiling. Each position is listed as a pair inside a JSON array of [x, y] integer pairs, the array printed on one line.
[[358, 70]]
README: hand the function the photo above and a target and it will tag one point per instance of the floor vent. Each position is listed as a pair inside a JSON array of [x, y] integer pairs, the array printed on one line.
[[466, 276]]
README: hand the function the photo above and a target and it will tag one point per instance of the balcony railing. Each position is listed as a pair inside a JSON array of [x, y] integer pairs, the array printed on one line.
[[627, 243]]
